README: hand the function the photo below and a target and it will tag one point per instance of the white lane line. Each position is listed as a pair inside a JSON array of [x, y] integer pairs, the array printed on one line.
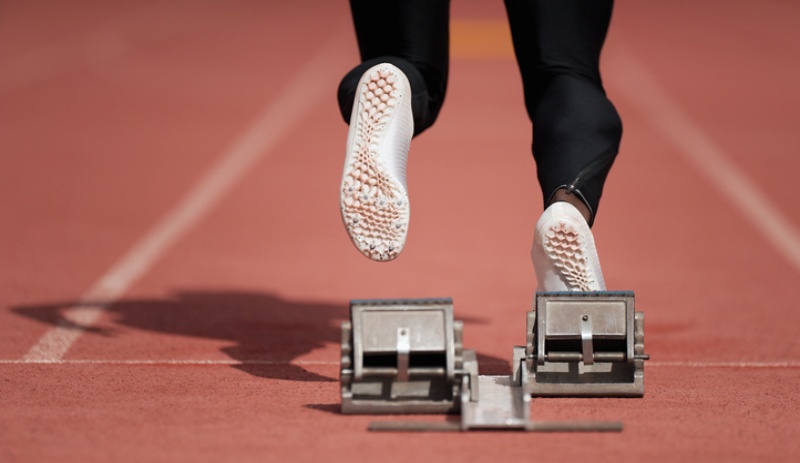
[[201, 362], [687, 364], [156, 362], [641, 89], [310, 85]]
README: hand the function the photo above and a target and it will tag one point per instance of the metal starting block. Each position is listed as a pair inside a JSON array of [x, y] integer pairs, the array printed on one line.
[[583, 345], [406, 356]]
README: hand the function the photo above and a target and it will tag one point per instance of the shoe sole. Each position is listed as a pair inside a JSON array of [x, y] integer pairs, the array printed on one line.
[[374, 203], [565, 246]]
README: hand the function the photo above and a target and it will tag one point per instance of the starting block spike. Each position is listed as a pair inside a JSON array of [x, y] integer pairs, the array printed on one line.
[[583, 345]]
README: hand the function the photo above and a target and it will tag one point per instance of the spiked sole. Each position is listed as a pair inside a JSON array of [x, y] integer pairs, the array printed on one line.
[[564, 252], [374, 199]]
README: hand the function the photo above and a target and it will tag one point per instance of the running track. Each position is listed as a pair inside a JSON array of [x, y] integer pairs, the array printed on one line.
[[174, 270]]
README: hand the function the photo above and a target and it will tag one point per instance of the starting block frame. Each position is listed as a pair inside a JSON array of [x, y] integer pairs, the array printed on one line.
[[583, 345], [406, 356]]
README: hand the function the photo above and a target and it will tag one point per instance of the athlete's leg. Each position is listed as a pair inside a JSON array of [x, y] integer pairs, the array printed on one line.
[[413, 36], [576, 129], [394, 94]]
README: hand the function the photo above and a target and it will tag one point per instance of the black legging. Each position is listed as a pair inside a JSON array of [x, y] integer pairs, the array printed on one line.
[[557, 44]]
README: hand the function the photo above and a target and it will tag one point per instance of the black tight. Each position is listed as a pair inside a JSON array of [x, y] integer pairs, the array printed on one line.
[[557, 43], [412, 35]]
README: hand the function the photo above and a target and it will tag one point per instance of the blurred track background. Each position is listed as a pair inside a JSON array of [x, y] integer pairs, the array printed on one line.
[[173, 269]]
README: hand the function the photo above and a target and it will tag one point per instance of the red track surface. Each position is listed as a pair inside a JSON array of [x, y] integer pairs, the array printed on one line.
[[220, 343]]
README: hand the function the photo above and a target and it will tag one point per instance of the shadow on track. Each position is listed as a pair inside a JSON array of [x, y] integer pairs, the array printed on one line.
[[262, 327]]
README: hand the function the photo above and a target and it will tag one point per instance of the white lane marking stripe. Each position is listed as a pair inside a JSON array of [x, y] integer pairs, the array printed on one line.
[[689, 364], [202, 362], [698, 147], [155, 362], [304, 90]]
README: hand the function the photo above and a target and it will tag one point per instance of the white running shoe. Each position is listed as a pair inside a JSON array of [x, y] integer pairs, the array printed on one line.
[[374, 195], [564, 255]]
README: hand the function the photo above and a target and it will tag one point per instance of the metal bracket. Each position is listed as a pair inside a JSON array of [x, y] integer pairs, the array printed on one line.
[[584, 344]]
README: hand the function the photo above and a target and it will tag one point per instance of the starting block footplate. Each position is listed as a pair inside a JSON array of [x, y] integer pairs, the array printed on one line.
[[583, 345]]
